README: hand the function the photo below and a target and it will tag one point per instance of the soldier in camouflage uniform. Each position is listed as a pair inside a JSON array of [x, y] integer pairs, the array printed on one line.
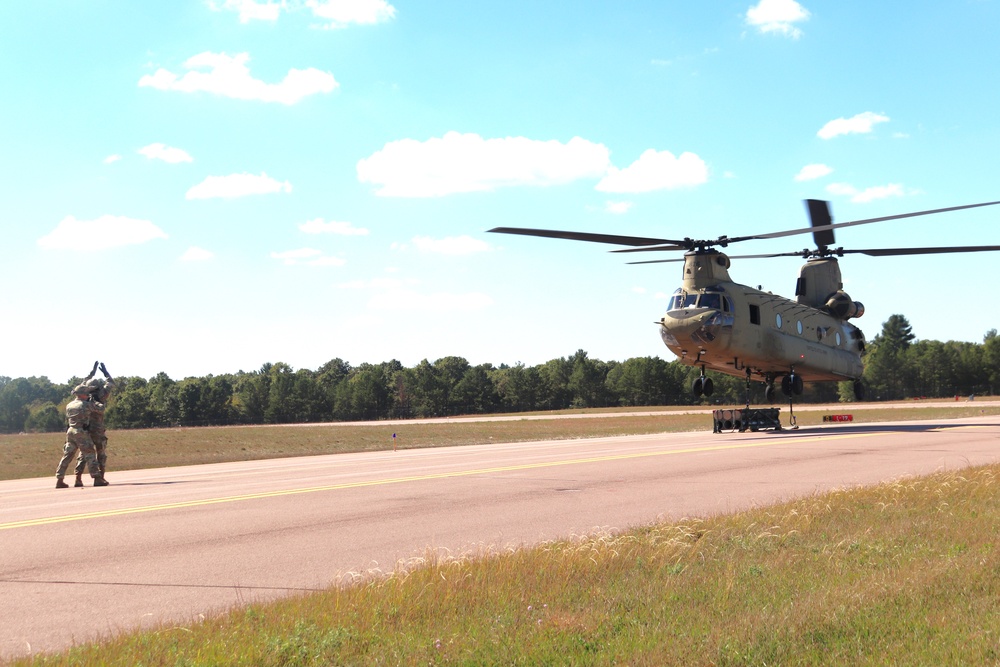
[[100, 391], [78, 437]]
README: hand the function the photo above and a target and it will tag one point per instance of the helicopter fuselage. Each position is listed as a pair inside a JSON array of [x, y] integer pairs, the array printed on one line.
[[721, 325], [718, 324]]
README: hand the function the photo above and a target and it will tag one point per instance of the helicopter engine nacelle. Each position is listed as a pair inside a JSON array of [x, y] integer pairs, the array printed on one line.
[[840, 305]]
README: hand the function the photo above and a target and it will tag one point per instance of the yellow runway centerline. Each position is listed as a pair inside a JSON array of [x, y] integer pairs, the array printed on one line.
[[414, 478]]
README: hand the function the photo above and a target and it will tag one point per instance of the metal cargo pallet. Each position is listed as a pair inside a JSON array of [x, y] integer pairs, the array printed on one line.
[[746, 419]]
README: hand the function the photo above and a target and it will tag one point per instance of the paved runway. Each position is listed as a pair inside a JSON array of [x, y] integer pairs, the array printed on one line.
[[174, 544]]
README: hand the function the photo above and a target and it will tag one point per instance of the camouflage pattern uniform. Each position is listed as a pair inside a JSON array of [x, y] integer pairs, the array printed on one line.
[[77, 435], [100, 391]]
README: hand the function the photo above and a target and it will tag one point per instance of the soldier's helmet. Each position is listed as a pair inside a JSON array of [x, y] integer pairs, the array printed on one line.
[[94, 384], [81, 389]]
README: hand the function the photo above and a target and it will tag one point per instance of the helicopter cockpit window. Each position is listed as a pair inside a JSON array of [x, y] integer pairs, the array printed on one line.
[[681, 300], [710, 301]]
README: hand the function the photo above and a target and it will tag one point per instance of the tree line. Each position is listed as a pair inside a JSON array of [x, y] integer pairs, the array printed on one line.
[[896, 367]]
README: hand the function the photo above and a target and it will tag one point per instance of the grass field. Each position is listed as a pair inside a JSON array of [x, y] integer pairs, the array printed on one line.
[[904, 573]]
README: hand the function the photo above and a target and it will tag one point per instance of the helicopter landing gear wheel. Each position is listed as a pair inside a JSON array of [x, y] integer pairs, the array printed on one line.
[[703, 386], [791, 385], [859, 390]]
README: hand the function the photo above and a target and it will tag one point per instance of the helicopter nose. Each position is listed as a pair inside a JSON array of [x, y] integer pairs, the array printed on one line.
[[710, 328], [681, 325]]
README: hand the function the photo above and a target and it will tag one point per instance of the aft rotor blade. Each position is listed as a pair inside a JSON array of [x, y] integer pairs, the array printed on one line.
[[594, 238], [819, 216], [889, 252], [838, 225]]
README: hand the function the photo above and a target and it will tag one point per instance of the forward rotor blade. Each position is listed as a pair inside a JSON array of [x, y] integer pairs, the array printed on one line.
[[658, 261], [767, 256], [873, 252], [818, 210], [594, 238], [651, 248]]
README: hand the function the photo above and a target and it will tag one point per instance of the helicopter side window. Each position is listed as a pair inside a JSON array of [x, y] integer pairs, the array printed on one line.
[[754, 314]]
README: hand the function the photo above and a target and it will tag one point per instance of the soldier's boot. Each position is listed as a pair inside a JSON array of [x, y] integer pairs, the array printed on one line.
[[79, 479], [61, 484], [100, 481]]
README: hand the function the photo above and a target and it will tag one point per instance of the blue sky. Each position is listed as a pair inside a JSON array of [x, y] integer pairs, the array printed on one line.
[[203, 186]]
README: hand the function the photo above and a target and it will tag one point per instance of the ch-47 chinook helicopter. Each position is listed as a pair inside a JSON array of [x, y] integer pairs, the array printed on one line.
[[721, 325]]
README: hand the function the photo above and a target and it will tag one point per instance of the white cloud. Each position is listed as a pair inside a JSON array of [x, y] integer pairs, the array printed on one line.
[[378, 284], [111, 159], [867, 195], [859, 124], [327, 260], [196, 254], [237, 185], [468, 163], [777, 16], [249, 10], [811, 172], [454, 245], [656, 170], [337, 13], [340, 13], [107, 231], [318, 226], [403, 294], [166, 153], [437, 302], [618, 207], [295, 256], [229, 76], [307, 257]]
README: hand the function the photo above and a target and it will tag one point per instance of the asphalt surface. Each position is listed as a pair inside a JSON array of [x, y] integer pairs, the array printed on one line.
[[175, 545]]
